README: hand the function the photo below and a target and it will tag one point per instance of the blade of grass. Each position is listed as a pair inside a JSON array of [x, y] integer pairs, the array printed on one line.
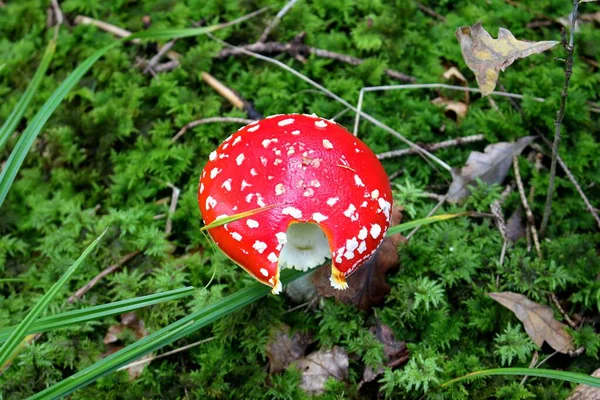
[[538, 372], [17, 156], [423, 221], [235, 217], [76, 317], [20, 331], [17, 113], [163, 337]]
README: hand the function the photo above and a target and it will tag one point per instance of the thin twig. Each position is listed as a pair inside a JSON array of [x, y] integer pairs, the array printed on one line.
[[432, 147], [427, 86], [108, 270], [276, 20], [571, 323], [525, 203], [105, 26], [297, 48], [534, 360], [58, 15], [168, 353], [161, 52], [172, 208], [193, 124], [366, 116], [230, 95], [430, 12], [571, 177], [559, 117]]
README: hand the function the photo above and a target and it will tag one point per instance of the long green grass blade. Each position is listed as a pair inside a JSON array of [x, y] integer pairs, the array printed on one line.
[[17, 113], [540, 373], [163, 337], [76, 317], [20, 331], [15, 160], [423, 221]]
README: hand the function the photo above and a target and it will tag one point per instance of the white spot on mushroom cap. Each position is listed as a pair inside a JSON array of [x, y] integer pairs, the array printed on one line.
[[212, 156], [375, 231], [292, 211], [201, 188], [253, 172], [249, 197], [263, 160], [291, 151], [239, 159], [214, 172], [319, 217], [254, 128], [308, 192], [327, 144], [236, 236], [223, 155], [251, 223], [385, 206], [332, 200], [350, 210], [362, 235], [362, 247], [286, 121], [236, 141], [281, 237], [358, 181], [315, 183], [375, 194], [245, 184], [321, 124], [264, 272], [272, 257], [259, 246], [279, 189], [210, 203], [351, 244], [296, 132], [278, 161], [227, 185], [259, 200]]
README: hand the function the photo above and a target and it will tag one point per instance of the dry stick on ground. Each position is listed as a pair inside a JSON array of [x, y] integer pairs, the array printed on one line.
[[571, 177], [432, 147], [430, 12], [161, 52], [172, 208], [230, 95], [496, 209], [58, 15], [168, 353], [276, 20], [295, 48], [193, 124], [108, 270], [569, 47], [525, 203], [571, 323]]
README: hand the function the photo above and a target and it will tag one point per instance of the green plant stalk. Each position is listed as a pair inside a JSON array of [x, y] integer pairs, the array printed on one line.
[[20, 331], [17, 156], [75, 317], [17, 113], [423, 221], [163, 337], [538, 372]]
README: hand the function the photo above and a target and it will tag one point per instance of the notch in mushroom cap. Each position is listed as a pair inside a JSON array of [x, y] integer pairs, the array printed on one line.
[[331, 194]]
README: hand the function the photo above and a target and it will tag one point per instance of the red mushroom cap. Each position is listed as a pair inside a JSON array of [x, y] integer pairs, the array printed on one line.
[[331, 197]]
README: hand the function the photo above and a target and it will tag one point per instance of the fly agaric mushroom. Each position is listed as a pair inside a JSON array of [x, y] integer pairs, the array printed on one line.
[[329, 195]]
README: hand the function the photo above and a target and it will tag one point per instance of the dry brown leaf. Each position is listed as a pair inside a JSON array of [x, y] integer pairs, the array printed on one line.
[[395, 352], [367, 287], [585, 392], [129, 321], [453, 72], [317, 367], [486, 56], [284, 348], [491, 167], [456, 110], [538, 321]]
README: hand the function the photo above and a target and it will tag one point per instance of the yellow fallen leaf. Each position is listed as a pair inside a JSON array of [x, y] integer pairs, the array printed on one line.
[[486, 56], [538, 321]]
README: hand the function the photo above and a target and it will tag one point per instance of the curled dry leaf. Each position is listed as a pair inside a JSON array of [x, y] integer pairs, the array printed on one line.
[[586, 392], [129, 321], [538, 321], [453, 72], [456, 110], [395, 352], [317, 367], [284, 348], [486, 56], [491, 167], [367, 286]]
